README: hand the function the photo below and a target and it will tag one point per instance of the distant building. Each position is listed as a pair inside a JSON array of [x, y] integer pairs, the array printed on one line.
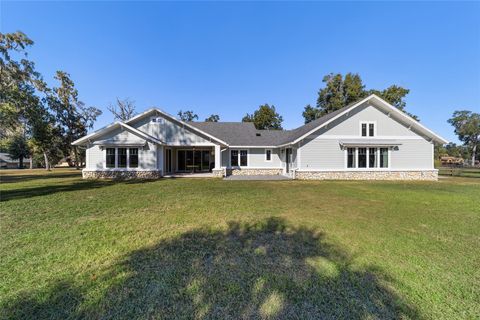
[[6, 162]]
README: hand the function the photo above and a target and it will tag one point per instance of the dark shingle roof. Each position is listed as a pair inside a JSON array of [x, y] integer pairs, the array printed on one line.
[[245, 134]]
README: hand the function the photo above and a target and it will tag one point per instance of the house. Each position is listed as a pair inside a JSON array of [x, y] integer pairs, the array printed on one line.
[[369, 139], [6, 162]]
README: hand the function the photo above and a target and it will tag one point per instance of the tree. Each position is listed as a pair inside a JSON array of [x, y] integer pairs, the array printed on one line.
[[467, 128], [18, 83], [310, 113], [265, 118], [123, 109], [187, 116], [73, 118], [213, 118], [341, 91], [18, 149]]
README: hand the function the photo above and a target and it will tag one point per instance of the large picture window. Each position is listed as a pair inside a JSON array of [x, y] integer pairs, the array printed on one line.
[[372, 157], [122, 157], [351, 158], [110, 161], [362, 158], [383, 157], [133, 159]]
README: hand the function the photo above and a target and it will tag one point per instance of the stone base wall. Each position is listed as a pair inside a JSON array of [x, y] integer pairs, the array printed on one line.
[[428, 175], [122, 175], [218, 173], [253, 172]]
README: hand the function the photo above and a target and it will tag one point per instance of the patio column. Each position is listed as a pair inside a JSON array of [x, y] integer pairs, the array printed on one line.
[[218, 155], [160, 156]]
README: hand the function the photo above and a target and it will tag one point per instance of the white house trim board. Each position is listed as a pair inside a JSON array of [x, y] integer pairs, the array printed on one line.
[[385, 104], [172, 118]]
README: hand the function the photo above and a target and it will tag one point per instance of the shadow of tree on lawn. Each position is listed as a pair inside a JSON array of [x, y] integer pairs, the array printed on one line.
[[76, 185], [249, 271]]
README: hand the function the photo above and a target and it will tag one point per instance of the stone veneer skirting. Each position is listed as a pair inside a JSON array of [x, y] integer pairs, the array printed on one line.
[[218, 173], [121, 175], [253, 172], [429, 175]]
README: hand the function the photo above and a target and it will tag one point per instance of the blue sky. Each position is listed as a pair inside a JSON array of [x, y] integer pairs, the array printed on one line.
[[228, 58]]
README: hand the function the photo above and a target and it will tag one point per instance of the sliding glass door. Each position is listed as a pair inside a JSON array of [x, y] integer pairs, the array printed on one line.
[[193, 160]]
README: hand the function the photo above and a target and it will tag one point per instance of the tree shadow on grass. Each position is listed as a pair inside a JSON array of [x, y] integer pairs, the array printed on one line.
[[250, 271], [77, 185]]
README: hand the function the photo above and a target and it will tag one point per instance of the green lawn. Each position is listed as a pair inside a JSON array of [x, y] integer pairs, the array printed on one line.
[[187, 248]]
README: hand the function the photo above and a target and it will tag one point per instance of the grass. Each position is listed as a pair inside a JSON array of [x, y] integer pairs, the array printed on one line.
[[188, 248]]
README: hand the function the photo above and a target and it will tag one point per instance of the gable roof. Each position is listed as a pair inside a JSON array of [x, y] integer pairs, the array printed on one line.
[[244, 134], [113, 126], [169, 116]]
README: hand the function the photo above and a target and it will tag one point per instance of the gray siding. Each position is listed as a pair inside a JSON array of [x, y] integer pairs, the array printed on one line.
[[412, 154], [322, 150], [146, 158], [256, 158], [169, 132], [318, 154], [350, 125]]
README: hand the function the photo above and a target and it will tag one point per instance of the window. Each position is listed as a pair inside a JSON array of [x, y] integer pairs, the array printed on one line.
[[383, 157], [110, 161], [371, 129], [375, 157], [122, 157], [362, 157], [234, 158], [367, 129], [268, 155], [133, 158], [372, 157], [239, 158], [158, 120], [243, 158], [351, 158]]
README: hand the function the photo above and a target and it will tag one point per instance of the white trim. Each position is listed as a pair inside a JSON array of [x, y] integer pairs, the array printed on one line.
[[140, 133], [165, 114], [235, 167], [253, 147], [386, 104], [112, 126], [271, 155], [202, 144], [336, 137]]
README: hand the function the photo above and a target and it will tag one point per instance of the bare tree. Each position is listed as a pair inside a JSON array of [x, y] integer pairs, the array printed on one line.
[[123, 109]]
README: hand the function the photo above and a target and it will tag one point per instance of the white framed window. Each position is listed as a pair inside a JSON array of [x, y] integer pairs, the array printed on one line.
[[110, 161], [268, 155], [239, 158], [368, 128], [367, 158], [157, 120], [121, 158]]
